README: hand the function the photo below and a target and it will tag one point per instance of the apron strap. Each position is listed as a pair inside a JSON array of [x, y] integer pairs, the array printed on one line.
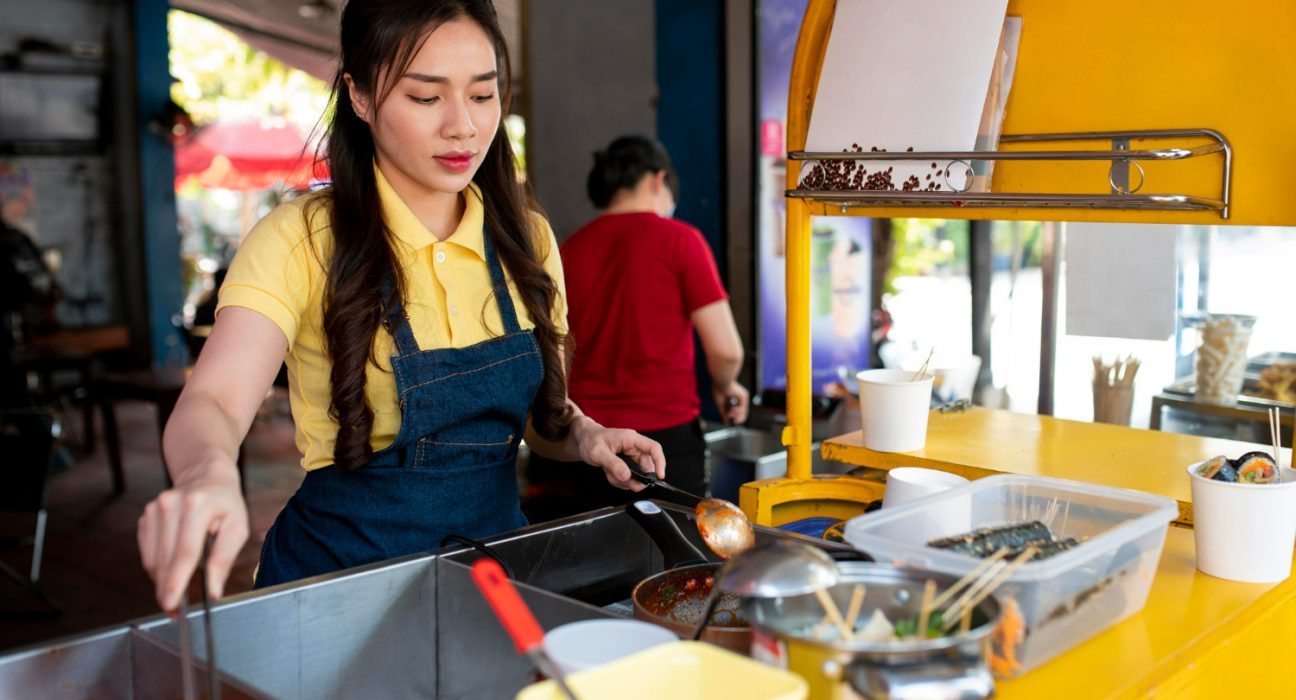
[[396, 321], [508, 313]]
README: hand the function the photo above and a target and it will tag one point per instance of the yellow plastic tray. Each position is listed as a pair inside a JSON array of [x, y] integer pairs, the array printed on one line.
[[678, 671]]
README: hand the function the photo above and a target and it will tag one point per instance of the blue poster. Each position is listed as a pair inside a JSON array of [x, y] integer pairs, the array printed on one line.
[[841, 247]]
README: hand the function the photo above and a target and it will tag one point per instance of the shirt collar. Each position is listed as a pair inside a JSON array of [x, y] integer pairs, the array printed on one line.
[[410, 231]]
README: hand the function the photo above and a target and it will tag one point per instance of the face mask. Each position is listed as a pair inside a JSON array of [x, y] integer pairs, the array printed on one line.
[[669, 210]]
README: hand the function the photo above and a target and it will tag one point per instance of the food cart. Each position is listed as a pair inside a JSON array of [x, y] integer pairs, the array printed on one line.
[[1147, 113]]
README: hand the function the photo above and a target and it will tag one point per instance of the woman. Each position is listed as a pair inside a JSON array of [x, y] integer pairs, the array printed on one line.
[[419, 302], [638, 283]]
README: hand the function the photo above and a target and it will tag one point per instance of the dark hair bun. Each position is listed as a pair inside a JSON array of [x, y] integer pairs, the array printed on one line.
[[623, 164]]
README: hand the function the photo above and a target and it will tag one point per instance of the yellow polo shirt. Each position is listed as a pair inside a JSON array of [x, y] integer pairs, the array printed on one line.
[[277, 274]]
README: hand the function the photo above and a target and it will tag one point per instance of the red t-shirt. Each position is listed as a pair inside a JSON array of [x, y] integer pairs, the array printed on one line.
[[633, 280]]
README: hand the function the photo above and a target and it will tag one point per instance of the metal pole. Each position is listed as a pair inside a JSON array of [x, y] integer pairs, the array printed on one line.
[[38, 551], [1051, 264], [796, 436], [980, 271]]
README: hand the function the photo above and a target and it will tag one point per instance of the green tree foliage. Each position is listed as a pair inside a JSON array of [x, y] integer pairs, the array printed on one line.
[[218, 76], [924, 245]]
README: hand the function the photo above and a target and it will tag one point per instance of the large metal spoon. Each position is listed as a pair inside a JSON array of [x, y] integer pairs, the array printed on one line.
[[723, 526], [778, 569], [773, 570]]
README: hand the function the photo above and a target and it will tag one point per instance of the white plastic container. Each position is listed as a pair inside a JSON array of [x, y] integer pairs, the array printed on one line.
[[907, 484], [580, 646], [904, 484], [1065, 599], [678, 671], [1221, 510], [894, 409]]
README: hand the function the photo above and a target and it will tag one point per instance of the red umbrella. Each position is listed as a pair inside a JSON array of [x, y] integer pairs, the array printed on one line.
[[248, 154]]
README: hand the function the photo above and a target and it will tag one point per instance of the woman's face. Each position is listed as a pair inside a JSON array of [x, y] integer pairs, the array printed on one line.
[[434, 126]]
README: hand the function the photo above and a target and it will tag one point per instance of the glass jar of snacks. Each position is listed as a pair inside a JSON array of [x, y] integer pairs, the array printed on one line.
[[1222, 357]]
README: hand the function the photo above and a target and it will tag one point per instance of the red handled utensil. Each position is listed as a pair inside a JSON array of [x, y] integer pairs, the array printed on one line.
[[517, 619]]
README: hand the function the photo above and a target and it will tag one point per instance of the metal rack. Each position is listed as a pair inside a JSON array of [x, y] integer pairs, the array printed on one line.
[[1121, 155]]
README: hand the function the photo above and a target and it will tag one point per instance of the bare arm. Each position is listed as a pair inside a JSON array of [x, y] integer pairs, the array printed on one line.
[[200, 445], [724, 356], [560, 451]]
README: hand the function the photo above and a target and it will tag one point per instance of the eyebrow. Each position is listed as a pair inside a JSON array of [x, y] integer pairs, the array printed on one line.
[[425, 78]]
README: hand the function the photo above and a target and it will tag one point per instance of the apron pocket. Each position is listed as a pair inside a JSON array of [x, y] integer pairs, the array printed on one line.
[[448, 454]]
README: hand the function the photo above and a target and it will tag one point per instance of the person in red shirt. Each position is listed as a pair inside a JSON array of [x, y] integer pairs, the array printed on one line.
[[638, 284]]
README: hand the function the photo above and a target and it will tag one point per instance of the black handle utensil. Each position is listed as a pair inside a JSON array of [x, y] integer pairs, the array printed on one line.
[[676, 550], [652, 480]]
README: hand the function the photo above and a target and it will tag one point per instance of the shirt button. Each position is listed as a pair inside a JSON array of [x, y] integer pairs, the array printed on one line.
[[454, 310], [440, 257]]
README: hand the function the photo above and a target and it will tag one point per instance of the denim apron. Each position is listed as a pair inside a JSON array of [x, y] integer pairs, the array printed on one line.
[[450, 470]]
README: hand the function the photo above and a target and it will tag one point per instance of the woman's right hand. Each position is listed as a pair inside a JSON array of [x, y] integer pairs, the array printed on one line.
[[174, 528]]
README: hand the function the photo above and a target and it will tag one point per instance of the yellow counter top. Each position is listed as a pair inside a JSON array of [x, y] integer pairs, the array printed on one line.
[[1197, 637], [981, 442]]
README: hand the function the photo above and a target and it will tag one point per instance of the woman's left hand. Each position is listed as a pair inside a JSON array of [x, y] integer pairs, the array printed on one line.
[[603, 447]]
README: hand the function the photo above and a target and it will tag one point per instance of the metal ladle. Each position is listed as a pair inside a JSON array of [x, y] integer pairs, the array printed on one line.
[[723, 525], [777, 569]]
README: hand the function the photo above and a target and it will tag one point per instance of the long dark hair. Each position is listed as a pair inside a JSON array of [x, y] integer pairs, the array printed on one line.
[[623, 164], [379, 39]]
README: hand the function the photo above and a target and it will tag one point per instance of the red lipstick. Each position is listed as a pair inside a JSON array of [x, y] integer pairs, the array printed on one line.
[[455, 161]]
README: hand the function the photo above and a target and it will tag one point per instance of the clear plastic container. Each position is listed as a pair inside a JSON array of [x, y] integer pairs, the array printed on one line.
[[1063, 600]]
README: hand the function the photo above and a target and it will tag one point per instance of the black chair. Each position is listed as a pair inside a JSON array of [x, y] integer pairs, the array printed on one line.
[[27, 440]]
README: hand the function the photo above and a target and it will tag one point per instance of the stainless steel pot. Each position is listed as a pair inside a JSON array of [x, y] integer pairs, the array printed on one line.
[[948, 668]]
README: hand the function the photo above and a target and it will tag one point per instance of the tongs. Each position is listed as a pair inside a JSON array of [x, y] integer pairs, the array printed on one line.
[[186, 637]]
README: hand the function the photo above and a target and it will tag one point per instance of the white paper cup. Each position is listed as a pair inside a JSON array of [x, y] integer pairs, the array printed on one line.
[[893, 409], [578, 646], [1244, 532]]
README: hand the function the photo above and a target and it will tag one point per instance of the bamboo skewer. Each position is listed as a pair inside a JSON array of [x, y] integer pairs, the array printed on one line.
[[924, 612], [922, 371], [989, 587], [953, 611], [1275, 437], [972, 575], [834, 614], [852, 611], [998, 580]]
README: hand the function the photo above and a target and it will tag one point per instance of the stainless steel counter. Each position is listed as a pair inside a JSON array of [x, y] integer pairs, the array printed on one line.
[[409, 628]]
